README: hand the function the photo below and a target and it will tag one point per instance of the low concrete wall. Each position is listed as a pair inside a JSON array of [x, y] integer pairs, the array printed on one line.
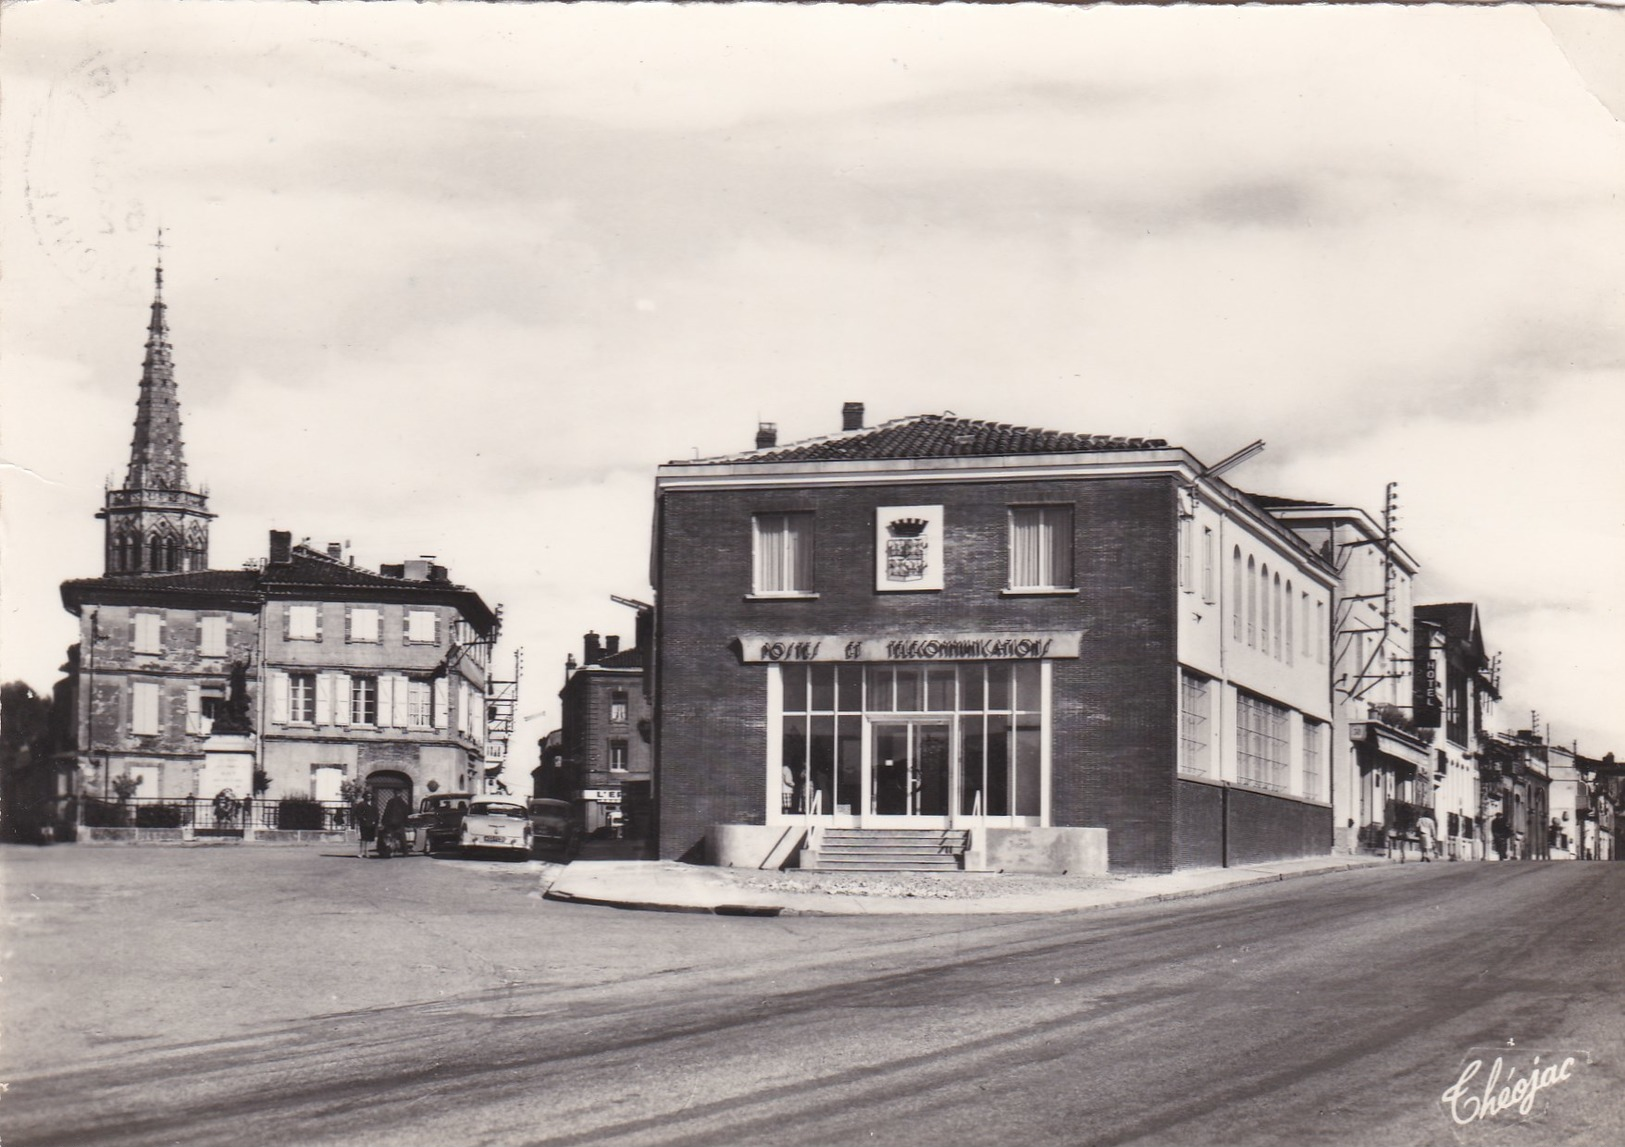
[[1078, 851], [297, 836], [88, 835], [742, 845]]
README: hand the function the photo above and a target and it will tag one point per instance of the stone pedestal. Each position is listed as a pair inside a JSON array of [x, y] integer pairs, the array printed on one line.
[[228, 763]]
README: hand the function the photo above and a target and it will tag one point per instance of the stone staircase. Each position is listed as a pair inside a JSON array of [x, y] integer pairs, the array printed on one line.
[[884, 850]]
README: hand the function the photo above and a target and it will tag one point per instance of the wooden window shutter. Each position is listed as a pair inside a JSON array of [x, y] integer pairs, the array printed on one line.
[[438, 717], [279, 696], [324, 699], [386, 700], [194, 708], [341, 699]]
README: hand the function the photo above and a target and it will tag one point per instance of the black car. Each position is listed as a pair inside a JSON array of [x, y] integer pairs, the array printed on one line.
[[555, 828], [439, 820]]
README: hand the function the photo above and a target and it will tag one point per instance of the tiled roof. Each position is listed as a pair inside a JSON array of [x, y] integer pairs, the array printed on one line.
[[1275, 502], [202, 581], [306, 568], [934, 436], [623, 659]]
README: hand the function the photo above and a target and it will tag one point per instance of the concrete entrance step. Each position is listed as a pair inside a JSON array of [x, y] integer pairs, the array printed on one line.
[[886, 850]]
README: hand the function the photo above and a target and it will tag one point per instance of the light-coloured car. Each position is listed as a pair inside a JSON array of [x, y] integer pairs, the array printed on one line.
[[554, 828], [500, 825]]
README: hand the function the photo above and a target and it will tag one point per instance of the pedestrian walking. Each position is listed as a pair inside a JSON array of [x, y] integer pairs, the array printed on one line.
[[392, 827], [1427, 830], [1500, 833], [366, 822]]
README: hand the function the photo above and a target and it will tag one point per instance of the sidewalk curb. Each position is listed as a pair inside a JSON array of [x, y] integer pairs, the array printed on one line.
[[895, 906]]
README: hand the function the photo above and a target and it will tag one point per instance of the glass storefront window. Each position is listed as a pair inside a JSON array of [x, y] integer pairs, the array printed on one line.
[[964, 738]]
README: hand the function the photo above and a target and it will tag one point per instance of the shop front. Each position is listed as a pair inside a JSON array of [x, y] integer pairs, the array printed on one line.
[[909, 732]]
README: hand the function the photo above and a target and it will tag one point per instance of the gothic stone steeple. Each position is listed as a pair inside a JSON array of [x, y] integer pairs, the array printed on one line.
[[156, 524]]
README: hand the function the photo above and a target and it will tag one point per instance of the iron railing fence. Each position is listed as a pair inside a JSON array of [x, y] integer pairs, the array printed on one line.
[[218, 814]]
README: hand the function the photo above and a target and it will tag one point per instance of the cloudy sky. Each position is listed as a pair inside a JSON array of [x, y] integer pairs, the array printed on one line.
[[454, 279]]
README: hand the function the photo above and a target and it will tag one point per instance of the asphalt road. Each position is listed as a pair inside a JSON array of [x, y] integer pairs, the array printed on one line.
[[298, 996]]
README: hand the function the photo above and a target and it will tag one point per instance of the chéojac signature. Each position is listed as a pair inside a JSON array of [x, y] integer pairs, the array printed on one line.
[[1514, 1091]]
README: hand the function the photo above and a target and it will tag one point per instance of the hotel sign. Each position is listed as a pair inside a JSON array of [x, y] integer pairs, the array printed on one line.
[[770, 649]]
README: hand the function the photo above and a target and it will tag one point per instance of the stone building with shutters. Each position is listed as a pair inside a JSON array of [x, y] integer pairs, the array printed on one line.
[[300, 666], [379, 678], [1021, 639]]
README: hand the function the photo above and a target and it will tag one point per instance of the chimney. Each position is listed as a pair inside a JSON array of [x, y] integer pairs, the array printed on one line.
[[281, 547], [612, 645], [335, 550], [767, 434], [591, 654], [569, 667], [418, 569], [852, 416]]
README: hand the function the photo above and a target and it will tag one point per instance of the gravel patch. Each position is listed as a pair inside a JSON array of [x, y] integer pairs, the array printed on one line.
[[919, 885]]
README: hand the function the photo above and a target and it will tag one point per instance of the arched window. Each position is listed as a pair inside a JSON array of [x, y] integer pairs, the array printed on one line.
[[1235, 595], [155, 554], [1275, 604], [1290, 603], [1252, 603], [1264, 608]]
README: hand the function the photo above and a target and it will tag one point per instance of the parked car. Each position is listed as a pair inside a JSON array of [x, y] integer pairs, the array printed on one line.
[[438, 823], [555, 828], [503, 825]]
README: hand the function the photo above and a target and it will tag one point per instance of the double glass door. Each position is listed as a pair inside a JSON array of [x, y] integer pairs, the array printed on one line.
[[909, 768]]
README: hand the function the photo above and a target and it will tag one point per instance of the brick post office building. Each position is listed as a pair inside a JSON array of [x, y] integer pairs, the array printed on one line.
[[945, 623]]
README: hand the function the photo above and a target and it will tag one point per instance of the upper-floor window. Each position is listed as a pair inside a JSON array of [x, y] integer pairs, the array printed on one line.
[[617, 756], [1320, 632], [1275, 607], [302, 698], [783, 553], [617, 707], [421, 625], [212, 637], [144, 708], [1235, 595], [1207, 564], [1264, 608], [304, 623], [363, 700], [149, 633], [1040, 547], [1455, 706], [1290, 606], [363, 623], [1187, 554], [1252, 602], [420, 704]]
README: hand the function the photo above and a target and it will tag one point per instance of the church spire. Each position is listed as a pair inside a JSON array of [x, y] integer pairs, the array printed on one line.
[[157, 454], [156, 524]]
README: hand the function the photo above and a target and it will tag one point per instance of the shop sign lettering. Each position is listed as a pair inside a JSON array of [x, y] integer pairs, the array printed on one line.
[[939, 647]]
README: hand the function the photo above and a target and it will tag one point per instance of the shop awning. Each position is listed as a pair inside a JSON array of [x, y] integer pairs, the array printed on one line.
[[1391, 742]]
